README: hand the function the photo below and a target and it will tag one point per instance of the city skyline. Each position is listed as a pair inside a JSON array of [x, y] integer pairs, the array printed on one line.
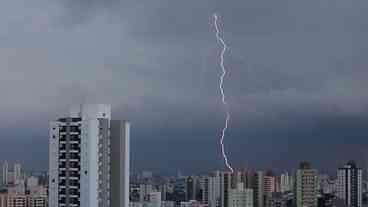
[[253, 188], [243, 188]]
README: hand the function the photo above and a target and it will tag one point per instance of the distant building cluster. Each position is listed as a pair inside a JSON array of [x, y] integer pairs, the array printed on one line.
[[304, 187], [89, 166], [19, 189]]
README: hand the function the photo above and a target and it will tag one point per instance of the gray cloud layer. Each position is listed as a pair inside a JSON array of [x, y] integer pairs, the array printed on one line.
[[157, 63]]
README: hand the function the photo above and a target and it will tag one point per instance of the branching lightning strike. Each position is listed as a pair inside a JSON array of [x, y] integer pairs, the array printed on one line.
[[221, 40]]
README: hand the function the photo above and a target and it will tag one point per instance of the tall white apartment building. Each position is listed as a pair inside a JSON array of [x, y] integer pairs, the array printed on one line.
[[214, 190], [17, 172], [5, 172], [225, 186], [286, 182], [258, 189], [349, 184], [89, 159]]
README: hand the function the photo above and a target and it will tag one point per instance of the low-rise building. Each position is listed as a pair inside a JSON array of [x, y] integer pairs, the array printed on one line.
[[276, 200]]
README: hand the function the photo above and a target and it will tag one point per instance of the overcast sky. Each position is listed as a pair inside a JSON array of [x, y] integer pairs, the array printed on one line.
[[297, 81]]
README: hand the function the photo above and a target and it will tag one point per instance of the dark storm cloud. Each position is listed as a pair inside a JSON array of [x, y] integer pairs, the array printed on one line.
[[81, 11], [297, 75]]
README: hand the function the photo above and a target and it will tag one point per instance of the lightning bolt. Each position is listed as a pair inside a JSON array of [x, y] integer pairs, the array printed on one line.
[[223, 99]]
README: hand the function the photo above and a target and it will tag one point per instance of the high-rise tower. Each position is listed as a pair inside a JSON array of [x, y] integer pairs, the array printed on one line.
[[5, 177], [17, 172], [349, 184], [306, 189], [89, 159]]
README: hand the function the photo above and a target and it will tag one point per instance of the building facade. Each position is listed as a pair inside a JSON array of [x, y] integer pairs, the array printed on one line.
[[306, 186], [286, 182], [144, 191], [37, 201], [3, 199], [258, 189], [15, 200], [17, 173], [269, 184], [89, 159], [191, 190], [5, 173], [225, 187], [241, 196], [214, 190], [349, 184], [155, 199], [276, 199]]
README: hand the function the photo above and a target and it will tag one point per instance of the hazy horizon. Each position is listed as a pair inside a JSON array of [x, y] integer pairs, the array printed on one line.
[[296, 85]]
